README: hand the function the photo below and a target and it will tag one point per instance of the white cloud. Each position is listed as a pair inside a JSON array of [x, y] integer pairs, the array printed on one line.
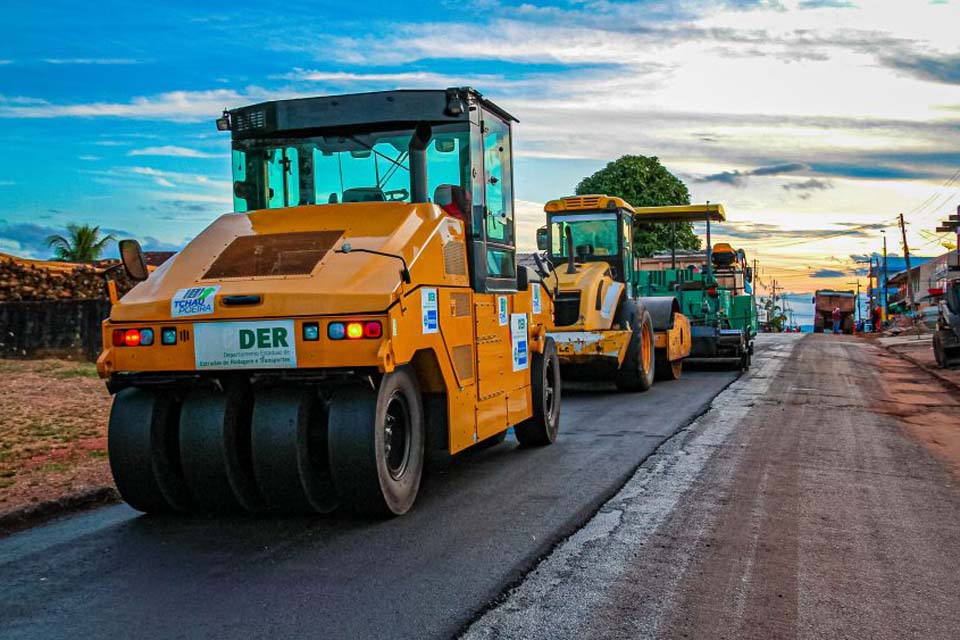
[[174, 152], [88, 158], [93, 61], [176, 106]]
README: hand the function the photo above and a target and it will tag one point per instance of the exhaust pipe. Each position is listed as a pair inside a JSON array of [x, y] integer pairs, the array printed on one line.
[[418, 163], [571, 268]]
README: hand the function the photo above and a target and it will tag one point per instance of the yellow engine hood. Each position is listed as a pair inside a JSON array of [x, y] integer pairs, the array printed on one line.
[[287, 257], [587, 275]]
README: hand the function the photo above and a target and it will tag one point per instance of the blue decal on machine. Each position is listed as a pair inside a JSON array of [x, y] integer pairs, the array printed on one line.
[[518, 340], [429, 317]]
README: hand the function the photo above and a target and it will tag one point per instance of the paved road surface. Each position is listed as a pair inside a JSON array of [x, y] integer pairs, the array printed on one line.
[[798, 507], [476, 529]]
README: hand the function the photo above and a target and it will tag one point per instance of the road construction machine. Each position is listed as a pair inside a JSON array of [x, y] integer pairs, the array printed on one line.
[[826, 301], [946, 339], [360, 312], [602, 329], [714, 288]]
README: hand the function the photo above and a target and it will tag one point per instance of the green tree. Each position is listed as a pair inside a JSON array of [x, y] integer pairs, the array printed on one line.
[[644, 182], [776, 318], [82, 243]]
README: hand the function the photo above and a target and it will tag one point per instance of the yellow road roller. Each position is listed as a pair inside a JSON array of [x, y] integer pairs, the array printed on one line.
[[603, 330], [359, 313]]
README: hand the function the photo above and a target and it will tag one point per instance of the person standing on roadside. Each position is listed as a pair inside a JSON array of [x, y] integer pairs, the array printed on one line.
[[837, 316]]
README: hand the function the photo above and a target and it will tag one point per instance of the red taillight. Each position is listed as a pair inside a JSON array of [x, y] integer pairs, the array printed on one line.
[[712, 292], [118, 338], [372, 330], [131, 337]]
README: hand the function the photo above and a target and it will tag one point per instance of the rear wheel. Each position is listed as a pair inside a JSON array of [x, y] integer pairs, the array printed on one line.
[[638, 369], [215, 450], [542, 428], [376, 445], [667, 369], [289, 439], [939, 351], [144, 453]]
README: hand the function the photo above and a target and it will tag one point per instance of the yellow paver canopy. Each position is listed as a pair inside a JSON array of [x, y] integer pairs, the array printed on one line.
[[682, 213]]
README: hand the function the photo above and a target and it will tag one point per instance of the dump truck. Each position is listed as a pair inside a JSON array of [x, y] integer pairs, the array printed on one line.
[[713, 288], [603, 331], [946, 339], [360, 312], [825, 301]]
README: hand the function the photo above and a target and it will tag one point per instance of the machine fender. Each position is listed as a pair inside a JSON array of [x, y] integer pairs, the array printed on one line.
[[661, 311]]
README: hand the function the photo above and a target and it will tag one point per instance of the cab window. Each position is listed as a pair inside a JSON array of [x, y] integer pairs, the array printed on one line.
[[498, 195]]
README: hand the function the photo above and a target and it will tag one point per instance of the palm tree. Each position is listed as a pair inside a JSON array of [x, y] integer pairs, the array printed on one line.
[[82, 243]]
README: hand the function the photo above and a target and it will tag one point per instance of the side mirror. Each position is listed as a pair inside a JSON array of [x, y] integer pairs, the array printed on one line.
[[131, 255], [543, 239], [749, 273]]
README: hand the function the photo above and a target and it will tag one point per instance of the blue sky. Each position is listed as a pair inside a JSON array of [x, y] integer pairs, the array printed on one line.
[[814, 121]]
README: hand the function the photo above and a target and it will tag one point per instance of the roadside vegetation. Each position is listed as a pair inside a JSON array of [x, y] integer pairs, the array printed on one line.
[[644, 182], [53, 421]]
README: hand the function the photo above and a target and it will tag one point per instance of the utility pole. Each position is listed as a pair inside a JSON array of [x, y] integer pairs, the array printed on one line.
[[883, 291], [906, 257], [859, 314]]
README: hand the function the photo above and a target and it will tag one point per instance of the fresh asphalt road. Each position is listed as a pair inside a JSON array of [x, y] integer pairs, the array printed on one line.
[[477, 528]]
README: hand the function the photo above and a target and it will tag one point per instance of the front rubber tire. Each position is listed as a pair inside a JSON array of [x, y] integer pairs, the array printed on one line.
[[370, 477], [542, 428], [638, 370]]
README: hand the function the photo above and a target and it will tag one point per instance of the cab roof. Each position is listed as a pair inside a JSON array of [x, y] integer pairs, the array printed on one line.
[[681, 213], [401, 108], [590, 202]]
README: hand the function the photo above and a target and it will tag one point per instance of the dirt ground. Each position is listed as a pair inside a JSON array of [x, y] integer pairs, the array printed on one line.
[[927, 411], [53, 431], [827, 510]]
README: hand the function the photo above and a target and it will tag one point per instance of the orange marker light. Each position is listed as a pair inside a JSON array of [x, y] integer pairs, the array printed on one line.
[[354, 330], [131, 337]]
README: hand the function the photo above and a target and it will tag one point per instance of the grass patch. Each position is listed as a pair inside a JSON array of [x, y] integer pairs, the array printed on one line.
[[81, 370], [54, 467], [12, 366], [98, 453]]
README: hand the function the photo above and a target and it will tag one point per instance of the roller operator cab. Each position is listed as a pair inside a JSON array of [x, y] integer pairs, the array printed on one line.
[[360, 313], [714, 288], [603, 330]]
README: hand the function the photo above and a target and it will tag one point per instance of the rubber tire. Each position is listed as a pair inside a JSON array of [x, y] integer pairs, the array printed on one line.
[[289, 451], [939, 352], [355, 430], [215, 450], [667, 370], [848, 325], [143, 451], [632, 374], [543, 426]]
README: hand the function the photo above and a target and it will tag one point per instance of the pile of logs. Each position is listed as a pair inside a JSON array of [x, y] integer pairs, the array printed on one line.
[[34, 280]]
